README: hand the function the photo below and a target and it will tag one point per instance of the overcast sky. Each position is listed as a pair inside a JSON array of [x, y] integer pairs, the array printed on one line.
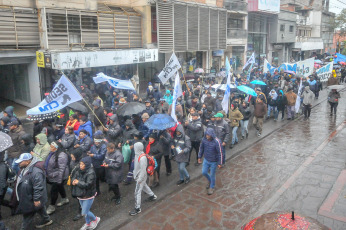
[[337, 5]]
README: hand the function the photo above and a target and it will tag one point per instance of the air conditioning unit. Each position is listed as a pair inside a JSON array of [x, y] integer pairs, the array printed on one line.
[[282, 36]]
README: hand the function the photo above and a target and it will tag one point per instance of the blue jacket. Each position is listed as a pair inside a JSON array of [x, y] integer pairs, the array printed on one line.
[[145, 130], [88, 126], [211, 149], [99, 154]]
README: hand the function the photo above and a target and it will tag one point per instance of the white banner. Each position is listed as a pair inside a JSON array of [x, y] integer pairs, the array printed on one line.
[[297, 105], [115, 83], [170, 69], [76, 60], [63, 94], [269, 5], [225, 99], [176, 93], [306, 67], [324, 72], [250, 61]]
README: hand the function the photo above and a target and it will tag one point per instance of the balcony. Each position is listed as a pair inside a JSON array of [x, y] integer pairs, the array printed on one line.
[[236, 36], [308, 43], [303, 21], [237, 6]]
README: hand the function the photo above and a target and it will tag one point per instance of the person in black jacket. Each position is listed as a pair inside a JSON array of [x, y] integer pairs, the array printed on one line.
[[31, 191], [165, 140], [245, 110], [195, 131], [98, 110], [281, 103], [28, 144], [4, 175], [153, 148], [84, 188]]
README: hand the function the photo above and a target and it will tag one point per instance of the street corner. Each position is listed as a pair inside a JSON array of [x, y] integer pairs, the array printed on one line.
[[334, 206]]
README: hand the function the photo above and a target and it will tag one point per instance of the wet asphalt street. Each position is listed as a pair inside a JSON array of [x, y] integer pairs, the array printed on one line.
[[294, 166]]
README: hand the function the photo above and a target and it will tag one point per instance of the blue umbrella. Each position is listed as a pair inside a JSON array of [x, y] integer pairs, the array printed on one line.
[[247, 90], [258, 82], [160, 122]]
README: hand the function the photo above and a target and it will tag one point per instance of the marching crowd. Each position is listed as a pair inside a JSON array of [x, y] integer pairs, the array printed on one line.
[[83, 149]]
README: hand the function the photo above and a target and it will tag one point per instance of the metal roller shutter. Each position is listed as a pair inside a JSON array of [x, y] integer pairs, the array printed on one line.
[[165, 26], [180, 32], [222, 29], [106, 30], [135, 31], [203, 29], [214, 29], [192, 28]]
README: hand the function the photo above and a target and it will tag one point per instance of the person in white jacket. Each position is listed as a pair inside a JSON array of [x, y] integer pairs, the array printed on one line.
[[308, 98], [140, 176]]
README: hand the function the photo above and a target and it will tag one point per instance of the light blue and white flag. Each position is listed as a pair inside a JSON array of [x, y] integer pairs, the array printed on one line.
[[116, 83], [225, 99], [297, 105], [176, 93], [63, 94], [249, 72], [250, 61], [170, 69]]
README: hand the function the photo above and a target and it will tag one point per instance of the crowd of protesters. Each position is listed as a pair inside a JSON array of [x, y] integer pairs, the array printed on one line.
[[84, 149]]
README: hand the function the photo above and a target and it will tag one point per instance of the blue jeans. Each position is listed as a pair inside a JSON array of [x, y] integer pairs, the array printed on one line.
[[211, 176], [86, 205], [270, 108], [234, 134], [244, 125], [182, 170]]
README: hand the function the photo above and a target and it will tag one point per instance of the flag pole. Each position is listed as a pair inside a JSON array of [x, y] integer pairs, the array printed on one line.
[[84, 101]]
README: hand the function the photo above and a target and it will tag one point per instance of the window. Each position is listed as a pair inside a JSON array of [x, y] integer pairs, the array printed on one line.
[[291, 29], [282, 28]]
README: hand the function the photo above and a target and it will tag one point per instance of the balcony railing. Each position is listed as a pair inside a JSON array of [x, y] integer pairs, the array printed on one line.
[[235, 5], [236, 33]]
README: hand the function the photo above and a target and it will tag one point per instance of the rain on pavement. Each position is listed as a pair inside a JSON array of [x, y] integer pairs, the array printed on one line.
[[295, 166]]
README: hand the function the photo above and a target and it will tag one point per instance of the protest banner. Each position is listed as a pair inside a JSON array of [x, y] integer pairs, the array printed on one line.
[[170, 69], [324, 72], [114, 82]]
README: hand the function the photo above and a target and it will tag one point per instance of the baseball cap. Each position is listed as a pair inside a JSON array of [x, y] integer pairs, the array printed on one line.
[[24, 157], [218, 115]]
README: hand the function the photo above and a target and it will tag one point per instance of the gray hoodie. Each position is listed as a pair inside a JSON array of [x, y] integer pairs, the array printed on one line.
[[140, 168]]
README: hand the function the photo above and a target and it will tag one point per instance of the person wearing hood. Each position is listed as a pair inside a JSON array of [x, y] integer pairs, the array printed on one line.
[[113, 130], [16, 132], [157, 93], [195, 131], [272, 104], [4, 124], [211, 150], [99, 116], [128, 133], [140, 176], [31, 191], [222, 132], [84, 123], [48, 131], [181, 146], [168, 97], [281, 103], [73, 121], [68, 139], [114, 164], [8, 112], [154, 149], [83, 141], [150, 90], [308, 97], [42, 148], [333, 99], [56, 166], [235, 117], [28, 144], [84, 188], [97, 154]]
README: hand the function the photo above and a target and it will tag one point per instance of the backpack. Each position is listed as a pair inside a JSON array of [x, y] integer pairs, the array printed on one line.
[[151, 165]]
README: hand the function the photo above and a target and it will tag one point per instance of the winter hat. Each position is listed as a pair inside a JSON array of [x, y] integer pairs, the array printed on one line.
[[96, 103], [218, 115], [98, 138], [153, 135], [86, 161]]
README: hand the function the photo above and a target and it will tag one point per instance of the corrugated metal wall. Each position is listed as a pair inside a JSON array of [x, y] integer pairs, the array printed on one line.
[[18, 29], [188, 27]]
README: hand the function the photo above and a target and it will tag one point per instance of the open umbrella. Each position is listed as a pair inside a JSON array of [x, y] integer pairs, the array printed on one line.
[[160, 122], [5, 141], [78, 106], [258, 82], [290, 72], [284, 220], [247, 90], [336, 87], [199, 70], [318, 61], [130, 108]]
